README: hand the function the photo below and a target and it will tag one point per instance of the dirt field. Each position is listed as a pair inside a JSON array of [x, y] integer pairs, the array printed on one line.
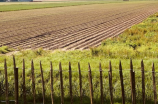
[[76, 27]]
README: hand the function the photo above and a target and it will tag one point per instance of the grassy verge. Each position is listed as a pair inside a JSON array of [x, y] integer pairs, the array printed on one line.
[[74, 57]]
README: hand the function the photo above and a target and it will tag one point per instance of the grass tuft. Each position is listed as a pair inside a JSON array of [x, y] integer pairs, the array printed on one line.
[[5, 49]]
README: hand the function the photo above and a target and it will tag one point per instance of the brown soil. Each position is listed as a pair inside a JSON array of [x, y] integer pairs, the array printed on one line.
[[76, 27]]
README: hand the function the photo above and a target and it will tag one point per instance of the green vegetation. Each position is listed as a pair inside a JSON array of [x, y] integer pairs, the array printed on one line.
[[5, 49], [16, 7], [74, 57], [140, 41]]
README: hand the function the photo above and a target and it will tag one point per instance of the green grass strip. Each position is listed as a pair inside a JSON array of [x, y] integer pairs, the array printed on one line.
[[17, 7]]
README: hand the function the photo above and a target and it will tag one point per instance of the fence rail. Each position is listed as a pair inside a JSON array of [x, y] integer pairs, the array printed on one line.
[[91, 89]]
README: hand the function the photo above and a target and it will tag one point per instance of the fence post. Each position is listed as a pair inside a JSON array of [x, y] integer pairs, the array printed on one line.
[[6, 82], [0, 88], [134, 91], [61, 83], [80, 82], [131, 79], [24, 89], [16, 81], [143, 82], [101, 83], [43, 88], [122, 85], [110, 82], [90, 83], [154, 84], [70, 82], [33, 82], [51, 79]]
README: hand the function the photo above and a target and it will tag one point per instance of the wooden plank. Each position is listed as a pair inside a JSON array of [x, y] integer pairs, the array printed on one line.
[[6, 82], [51, 79], [43, 87], [122, 84], [110, 83], [15, 81], [23, 86], [33, 82], [101, 83], [61, 83], [131, 79], [80, 82], [143, 82], [90, 83], [70, 82], [154, 84]]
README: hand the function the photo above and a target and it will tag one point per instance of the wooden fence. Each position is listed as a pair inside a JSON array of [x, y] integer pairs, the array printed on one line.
[[132, 82]]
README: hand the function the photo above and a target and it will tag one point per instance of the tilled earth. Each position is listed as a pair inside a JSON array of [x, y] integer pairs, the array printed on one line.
[[75, 27]]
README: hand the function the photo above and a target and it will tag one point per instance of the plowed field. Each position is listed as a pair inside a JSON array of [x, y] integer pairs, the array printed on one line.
[[76, 27]]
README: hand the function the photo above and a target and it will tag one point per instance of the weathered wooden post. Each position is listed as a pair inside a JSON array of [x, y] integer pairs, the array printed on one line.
[[6, 82], [61, 83], [90, 83], [16, 81], [131, 79], [122, 85], [154, 84], [110, 82], [70, 82], [101, 83], [43, 87], [51, 79], [33, 82], [143, 82], [23, 86], [80, 82]]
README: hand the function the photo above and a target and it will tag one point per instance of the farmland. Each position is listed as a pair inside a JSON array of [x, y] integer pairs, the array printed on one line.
[[78, 27]]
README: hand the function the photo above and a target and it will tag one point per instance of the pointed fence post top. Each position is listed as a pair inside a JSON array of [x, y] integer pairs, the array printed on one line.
[[14, 62], [79, 65], [110, 66], [120, 66], [153, 67], [142, 63], [89, 67], [131, 65], [5, 62], [100, 68], [69, 66], [40, 64], [51, 66], [32, 61]]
